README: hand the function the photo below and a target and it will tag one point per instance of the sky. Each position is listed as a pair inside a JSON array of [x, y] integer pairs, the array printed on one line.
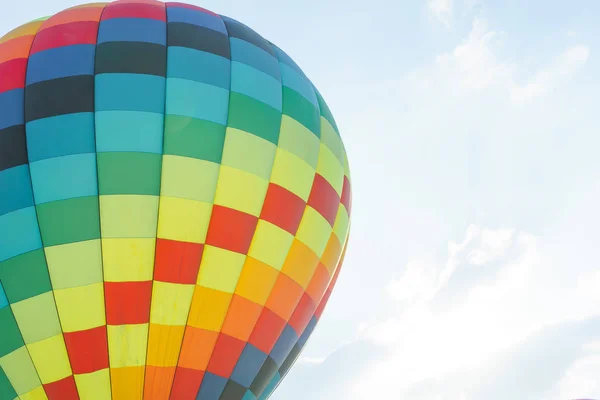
[[471, 128]]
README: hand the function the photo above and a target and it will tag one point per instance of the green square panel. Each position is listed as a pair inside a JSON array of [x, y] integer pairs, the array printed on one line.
[[301, 110], [37, 317], [25, 276], [250, 115], [326, 112], [10, 337], [6, 389], [194, 138], [69, 221], [298, 140], [129, 173], [249, 153]]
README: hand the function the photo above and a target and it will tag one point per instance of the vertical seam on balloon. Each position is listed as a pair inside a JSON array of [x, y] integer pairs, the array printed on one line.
[[186, 326], [99, 213], [254, 234], [35, 210], [337, 265], [164, 6], [62, 333], [279, 63]]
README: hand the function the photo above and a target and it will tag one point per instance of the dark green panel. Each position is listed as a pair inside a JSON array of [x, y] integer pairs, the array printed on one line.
[[194, 138], [10, 337], [6, 389], [69, 221], [254, 116], [129, 173], [302, 110], [25, 276]]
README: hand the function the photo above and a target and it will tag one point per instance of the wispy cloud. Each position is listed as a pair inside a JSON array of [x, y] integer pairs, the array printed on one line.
[[442, 10], [475, 64]]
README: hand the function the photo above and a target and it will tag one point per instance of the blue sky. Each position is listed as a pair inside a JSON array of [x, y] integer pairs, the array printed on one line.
[[472, 133]]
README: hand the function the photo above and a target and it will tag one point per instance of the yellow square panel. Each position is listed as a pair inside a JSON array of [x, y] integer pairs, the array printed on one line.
[[293, 174], [256, 281], [209, 308], [164, 345], [330, 168], [75, 264], [220, 269], [330, 138], [20, 371], [170, 303], [332, 253], [35, 394], [270, 244], [127, 345], [128, 260], [95, 385], [189, 178], [50, 359], [183, 220], [81, 308], [127, 383], [314, 230], [300, 264], [342, 224], [241, 190], [128, 216]]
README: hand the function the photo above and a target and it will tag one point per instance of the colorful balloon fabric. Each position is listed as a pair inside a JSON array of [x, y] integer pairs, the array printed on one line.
[[174, 206]]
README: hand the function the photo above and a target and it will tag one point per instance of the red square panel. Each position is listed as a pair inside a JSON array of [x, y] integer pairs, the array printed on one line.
[[231, 229], [267, 331], [13, 74], [65, 389], [225, 355], [87, 350], [283, 208], [177, 262], [302, 314], [127, 302], [324, 199], [186, 383], [65, 35]]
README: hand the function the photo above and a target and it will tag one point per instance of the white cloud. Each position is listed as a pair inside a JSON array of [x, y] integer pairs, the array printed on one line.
[[549, 77], [479, 319], [581, 380], [475, 64], [442, 10]]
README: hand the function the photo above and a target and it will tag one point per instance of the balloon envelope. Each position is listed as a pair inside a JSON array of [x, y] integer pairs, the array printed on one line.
[[174, 206]]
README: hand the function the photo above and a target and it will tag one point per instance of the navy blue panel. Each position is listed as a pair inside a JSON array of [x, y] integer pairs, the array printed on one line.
[[284, 345], [241, 31], [248, 365], [307, 332], [212, 387], [13, 150]]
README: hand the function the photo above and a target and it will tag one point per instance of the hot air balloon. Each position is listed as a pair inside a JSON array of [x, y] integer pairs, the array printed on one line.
[[174, 206]]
